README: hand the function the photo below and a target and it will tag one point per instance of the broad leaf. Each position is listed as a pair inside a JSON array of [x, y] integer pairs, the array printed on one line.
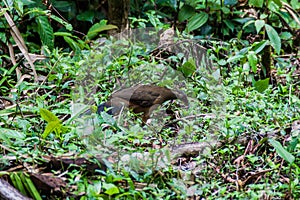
[[72, 43], [185, 12], [64, 6], [229, 24], [86, 16], [99, 27], [17, 182], [235, 58], [10, 136], [274, 6], [45, 31], [278, 2], [295, 4], [283, 153], [110, 189], [188, 68], [54, 126], [259, 24], [261, 85], [47, 115], [274, 38], [30, 187], [107, 118], [286, 35], [252, 59], [256, 3], [9, 133], [230, 2], [197, 21], [259, 46]]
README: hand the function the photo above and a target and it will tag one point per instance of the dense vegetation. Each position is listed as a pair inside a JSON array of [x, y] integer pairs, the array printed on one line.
[[237, 61]]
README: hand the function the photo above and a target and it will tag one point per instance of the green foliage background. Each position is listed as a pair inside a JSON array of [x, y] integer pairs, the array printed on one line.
[[253, 44]]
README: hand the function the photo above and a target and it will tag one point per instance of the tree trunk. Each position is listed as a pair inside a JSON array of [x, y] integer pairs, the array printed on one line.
[[118, 11]]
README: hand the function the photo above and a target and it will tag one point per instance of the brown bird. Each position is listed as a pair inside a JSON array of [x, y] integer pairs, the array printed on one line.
[[141, 99]]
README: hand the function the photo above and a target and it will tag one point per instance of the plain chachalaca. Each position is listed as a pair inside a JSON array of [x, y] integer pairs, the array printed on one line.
[[141, 99]]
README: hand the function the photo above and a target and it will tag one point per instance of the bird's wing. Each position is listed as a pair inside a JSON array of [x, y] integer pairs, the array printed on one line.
[[145, 96], [123, 93]]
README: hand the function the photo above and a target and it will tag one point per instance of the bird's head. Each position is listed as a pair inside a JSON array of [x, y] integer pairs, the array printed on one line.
[[182, 97]]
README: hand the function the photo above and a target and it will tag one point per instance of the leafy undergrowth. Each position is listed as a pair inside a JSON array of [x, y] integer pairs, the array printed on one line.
[[252, 132], [239, 138]]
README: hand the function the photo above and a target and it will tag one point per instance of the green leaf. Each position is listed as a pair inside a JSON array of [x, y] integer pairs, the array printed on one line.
[[9, 133], [274, 5], [3, 10], [45, 31], [64, 34], [185, 12], [286, 35], [19, 6], [230, 2], [235, 58], [256, 3], [274, 38], [295, 4], [64, 6], [225, 10], [17, 182], [247, 23], [278, 2], [28, 2], [47, 115], [172, 3], [216, 75], [261, 85], [258, 25], [252, 59], [197, 21], [30, 186], [229, 24], [110, 189], [54, 126], [107, 118], [222, 62], [188, 68], [72, 43], [283, 153], [243, 20], [86, 16], [259, 46], [293, 144], [68, 26], [99, 27]]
